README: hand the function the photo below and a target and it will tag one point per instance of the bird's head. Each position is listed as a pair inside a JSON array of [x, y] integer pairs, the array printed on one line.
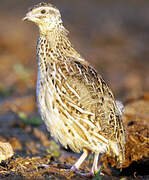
[[45, 15]]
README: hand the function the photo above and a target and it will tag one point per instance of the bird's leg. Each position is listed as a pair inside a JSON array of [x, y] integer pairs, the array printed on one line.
[[80, 160], [95, 164], [95, 167]]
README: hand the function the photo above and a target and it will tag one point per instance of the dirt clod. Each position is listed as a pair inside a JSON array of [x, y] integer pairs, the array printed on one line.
[[6, 151]]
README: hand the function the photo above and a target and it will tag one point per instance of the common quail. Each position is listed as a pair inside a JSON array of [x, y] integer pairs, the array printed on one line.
[[74, 101]]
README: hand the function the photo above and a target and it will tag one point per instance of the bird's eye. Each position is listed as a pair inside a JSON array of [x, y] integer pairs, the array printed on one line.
[[43, 11]]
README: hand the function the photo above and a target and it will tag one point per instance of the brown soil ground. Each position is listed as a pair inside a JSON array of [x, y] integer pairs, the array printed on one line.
[[114, 37]]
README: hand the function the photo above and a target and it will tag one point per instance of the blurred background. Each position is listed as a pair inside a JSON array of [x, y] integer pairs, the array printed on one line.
[[112, 35]]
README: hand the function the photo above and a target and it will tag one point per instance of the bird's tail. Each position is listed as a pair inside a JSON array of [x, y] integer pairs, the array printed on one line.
[[118, 150]]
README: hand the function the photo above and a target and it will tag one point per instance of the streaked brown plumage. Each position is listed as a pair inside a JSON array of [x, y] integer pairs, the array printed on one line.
[[74, 101]]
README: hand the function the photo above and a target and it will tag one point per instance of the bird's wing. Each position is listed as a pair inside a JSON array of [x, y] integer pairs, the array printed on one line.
[[87, 102], [86, 91]]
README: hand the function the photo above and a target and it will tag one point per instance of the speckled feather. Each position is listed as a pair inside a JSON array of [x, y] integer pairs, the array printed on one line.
[[87, 116], [74, 101], [42, 4]]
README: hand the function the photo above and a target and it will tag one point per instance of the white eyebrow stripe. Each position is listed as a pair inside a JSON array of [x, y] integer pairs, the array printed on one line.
[[49, 8], [53, 9]]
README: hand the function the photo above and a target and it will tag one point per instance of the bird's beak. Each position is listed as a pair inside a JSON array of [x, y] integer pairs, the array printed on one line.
[[30, 17], [25, 18]]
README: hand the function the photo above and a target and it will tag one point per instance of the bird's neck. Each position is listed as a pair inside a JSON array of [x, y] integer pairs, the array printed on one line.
[[56, 45]]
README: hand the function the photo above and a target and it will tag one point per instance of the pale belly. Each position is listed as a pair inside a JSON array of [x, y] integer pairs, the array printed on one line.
[[66, 130]]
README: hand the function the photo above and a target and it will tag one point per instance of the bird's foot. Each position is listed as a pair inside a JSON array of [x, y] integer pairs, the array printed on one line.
[[74, 168], [78, 172], [97, 171], [89, 174]]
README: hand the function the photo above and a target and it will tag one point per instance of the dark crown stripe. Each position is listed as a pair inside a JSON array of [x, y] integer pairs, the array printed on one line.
[[42, 4]]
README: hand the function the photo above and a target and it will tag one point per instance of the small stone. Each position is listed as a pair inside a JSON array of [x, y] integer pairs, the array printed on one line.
[[6, 151]]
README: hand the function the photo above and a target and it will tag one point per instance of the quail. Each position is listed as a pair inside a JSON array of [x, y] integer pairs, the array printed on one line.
[[74, 101]]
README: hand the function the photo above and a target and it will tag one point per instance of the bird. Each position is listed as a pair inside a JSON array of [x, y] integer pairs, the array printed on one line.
[[74, 101]]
